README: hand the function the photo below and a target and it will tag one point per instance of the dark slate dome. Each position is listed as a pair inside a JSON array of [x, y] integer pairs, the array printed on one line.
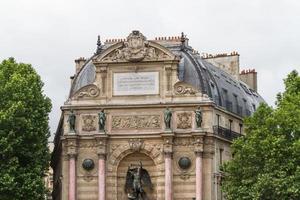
[[226, 91]]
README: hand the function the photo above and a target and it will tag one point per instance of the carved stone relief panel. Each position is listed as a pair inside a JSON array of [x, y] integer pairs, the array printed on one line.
[[182, 88], [136, 122], [136, 48], [184, 120], [87, 92], [89, 123]]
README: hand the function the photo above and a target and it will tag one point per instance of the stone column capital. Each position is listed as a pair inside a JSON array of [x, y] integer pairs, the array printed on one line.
[[101, 142], [72, 155], [168, 140], [101, 156], [198, 144]]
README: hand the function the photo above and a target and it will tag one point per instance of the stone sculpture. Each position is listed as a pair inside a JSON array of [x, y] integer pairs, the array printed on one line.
[[137, 179], [167, 118], [72, 121], [198, 117], [102, 120]]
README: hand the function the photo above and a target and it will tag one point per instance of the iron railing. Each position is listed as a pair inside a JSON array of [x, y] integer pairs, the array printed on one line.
[[225, 133]]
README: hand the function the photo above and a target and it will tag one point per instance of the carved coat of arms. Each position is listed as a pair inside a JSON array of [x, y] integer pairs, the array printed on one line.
[[135, 49]]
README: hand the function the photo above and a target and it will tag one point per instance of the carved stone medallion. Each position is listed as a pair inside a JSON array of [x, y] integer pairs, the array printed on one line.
[[89, 123], [136, 122], [184, 120]]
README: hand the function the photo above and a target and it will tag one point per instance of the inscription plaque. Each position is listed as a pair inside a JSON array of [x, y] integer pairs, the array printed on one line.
[[139, 83]]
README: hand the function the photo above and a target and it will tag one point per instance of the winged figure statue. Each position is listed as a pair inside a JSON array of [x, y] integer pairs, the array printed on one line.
[[137, 179]]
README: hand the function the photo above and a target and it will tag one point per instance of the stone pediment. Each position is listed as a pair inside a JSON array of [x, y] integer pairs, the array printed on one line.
[[135, 49]]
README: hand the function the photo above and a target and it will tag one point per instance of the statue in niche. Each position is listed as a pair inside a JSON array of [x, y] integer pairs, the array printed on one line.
[[137, 179], [102, 119], [198, 117], [71, 121], [167, 118]]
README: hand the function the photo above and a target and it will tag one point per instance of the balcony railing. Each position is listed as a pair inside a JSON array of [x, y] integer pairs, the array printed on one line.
[[225, 133]]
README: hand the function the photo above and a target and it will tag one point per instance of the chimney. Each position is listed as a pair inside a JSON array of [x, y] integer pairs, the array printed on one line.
[[79, 63], [250, 78], [227, 62]]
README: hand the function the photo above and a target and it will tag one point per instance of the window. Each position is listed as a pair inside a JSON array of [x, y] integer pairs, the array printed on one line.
[[254, 107], [237, 106], [221, 156], [241, 127], [230, 124], [218, 120]]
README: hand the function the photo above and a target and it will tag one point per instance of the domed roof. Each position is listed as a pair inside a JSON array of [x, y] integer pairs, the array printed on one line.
[[226, 91]]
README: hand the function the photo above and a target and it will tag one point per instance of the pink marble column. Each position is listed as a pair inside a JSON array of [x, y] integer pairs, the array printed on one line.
[[199, 176], [72, 177], [168, 177], [101, 177]]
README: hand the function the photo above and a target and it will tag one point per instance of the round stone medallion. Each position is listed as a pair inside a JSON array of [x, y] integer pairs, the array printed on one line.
[[184, 163], [88, 164]]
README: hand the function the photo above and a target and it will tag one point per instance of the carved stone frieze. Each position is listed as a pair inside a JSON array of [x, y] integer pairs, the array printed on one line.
[[183, 142], [136, 122], [182, 88], [88, 91], [135, 144], [113, 147], [184, 120], [89, 122], [87, 145], [184, 175]]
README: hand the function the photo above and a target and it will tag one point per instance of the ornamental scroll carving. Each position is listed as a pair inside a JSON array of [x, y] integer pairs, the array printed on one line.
[[136, 122], [89, 123], [88, 91], [182, 88], [136, 144], [135, 49], [184, 120]]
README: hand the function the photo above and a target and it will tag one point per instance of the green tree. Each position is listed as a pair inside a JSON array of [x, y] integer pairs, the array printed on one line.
[[24, 131], [266, 162]]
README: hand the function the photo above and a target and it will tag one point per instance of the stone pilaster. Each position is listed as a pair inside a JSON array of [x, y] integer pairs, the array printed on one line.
[[198, 149], [101, 151], [168, 152], [72, 155], [101, 77]]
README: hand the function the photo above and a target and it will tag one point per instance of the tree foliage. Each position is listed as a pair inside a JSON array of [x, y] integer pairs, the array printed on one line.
[[266, 162], [24, 131]]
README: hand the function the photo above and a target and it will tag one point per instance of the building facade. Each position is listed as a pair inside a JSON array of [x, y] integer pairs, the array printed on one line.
[[155, 105]]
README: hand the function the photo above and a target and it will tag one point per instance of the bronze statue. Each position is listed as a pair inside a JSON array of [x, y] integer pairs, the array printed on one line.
[[72, 120], [136, 180], [167, 118], [198, 117], [102, 119]]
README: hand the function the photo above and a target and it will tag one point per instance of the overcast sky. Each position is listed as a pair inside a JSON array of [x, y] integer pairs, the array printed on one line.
[[50, 34]]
